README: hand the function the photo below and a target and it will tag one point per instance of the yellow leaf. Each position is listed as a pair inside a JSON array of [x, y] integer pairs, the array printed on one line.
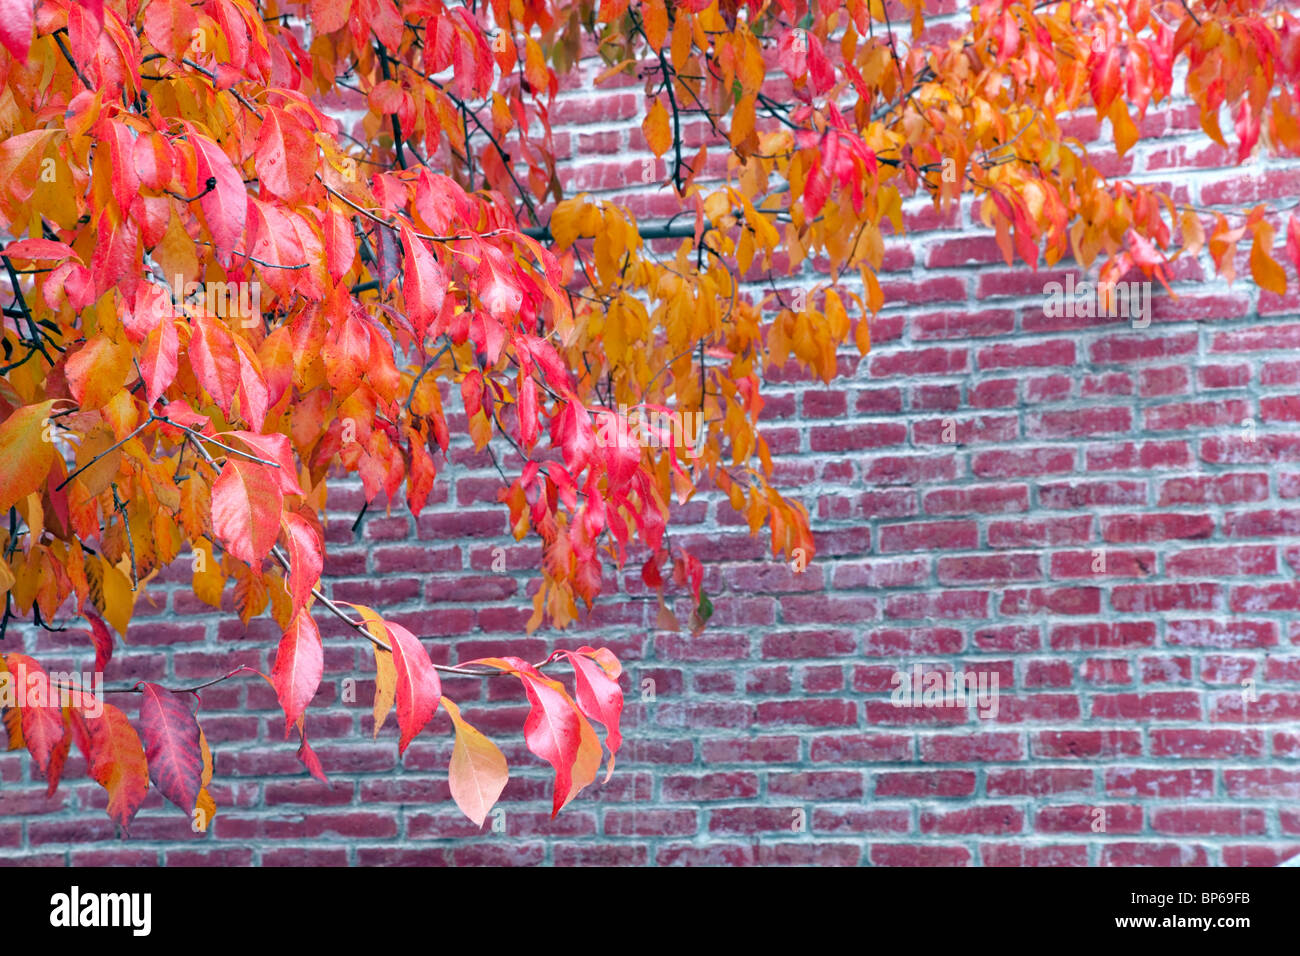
[[385, 682], [655, 126], [205, 808], [118, 598], [571, 220], [208, 581], [6, 578]]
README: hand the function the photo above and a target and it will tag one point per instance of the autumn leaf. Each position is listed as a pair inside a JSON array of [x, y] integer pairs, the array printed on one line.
[[309, 760], [26, 452], [158, 363], [599, 698], [424, 285], [225, 205], [418, 687], [171, 745], [1264, 269], [385, 686], [96, 371], [117, 762], [477, 773], [205, 808], [299, 663], [16, 21], [306, 558], [101, 638], [246, 503], [553, 731], [170, 27], [285, 155], [657, 129], [42, 720]]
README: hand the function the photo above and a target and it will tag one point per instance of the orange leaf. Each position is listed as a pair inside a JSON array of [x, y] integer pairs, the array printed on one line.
[[1266, 271], [657, 130]]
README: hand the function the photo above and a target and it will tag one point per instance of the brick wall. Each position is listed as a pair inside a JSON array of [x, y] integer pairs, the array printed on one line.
[[1073, 505]]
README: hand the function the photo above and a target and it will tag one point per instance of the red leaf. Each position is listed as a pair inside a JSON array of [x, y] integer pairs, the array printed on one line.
[[527, 410], [420, 476], [276, 448], [328, 15], [171, 745], [117, 142], [311, 761], [424, 284], [246, 504], [792, 54], [42, 723], [650, 573], [274, 240], [418, 686], [59, 757], [285, 155], [340, 243], [118, 763], [253, 396], [306, 558], [553, 732], [102, 639], [299, 663], [214, 361], [169, 27], [498, 290], [116, 256], [46, 250], [158, 363]]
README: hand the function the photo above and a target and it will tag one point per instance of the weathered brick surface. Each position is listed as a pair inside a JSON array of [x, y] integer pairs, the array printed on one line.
[[1103, 516]]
